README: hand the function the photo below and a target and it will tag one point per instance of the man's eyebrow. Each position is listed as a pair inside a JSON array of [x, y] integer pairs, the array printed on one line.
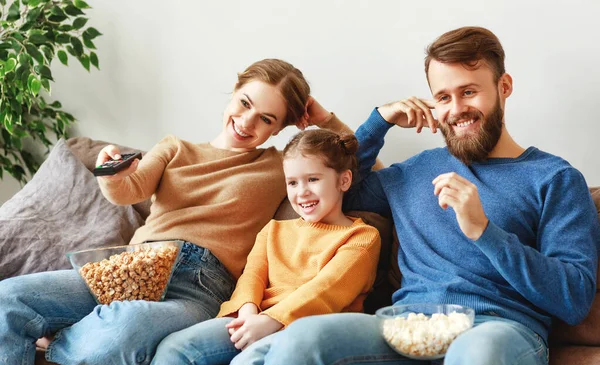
[[267, 114], [444, 91]]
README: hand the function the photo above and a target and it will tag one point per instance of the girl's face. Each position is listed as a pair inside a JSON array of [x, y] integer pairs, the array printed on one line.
[[255, 113], [315, 190]]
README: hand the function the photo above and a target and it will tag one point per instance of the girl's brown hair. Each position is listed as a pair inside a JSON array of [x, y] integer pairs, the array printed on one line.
[[336, 151], [468, 46], [290, 81]]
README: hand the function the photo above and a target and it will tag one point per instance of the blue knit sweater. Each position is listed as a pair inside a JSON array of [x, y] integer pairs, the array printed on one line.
[[537, 259]]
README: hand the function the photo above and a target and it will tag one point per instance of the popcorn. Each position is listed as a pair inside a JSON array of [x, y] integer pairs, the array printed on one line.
[[420, 335], [133, 275]]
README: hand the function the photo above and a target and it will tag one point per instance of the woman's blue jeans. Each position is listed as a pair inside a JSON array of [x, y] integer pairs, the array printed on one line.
[[37, 305], [354, 338]]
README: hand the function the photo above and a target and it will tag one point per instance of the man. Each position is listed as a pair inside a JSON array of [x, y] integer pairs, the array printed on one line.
[[508, 231]]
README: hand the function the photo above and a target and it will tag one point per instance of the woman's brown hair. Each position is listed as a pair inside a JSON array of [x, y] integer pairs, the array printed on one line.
[[468, 46], [288, 79]]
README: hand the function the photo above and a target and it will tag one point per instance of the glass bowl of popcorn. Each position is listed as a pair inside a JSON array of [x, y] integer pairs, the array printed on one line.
[[423, 331], [132, 272]]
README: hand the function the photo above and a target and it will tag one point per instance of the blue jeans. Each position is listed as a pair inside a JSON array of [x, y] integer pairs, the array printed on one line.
[[208, 343], [37, 305], [354, 338]]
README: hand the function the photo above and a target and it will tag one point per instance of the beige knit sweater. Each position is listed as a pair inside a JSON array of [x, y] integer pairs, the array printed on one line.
[[217, 199]]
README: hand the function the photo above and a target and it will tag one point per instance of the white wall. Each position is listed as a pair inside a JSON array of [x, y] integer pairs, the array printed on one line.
[[168, 66]]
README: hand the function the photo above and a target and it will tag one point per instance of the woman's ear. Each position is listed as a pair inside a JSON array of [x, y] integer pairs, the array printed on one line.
[[345, 180]]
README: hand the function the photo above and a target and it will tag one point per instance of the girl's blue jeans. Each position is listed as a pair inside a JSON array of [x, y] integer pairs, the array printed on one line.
[[37, 305]]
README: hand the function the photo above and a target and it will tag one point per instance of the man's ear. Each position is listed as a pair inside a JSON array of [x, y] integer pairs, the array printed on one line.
[[505, 86], [345, 180]]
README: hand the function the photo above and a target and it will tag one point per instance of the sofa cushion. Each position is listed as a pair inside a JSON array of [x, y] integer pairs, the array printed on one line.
[[86, 150], [61, 209]]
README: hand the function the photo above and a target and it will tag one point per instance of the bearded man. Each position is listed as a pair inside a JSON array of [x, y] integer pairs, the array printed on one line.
[[511, 232]]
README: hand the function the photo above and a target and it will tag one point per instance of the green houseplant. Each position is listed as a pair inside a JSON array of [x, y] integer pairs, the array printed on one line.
[[33, 33]]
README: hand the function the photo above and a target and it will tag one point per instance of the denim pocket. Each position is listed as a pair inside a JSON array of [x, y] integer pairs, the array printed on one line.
[[218, 284]]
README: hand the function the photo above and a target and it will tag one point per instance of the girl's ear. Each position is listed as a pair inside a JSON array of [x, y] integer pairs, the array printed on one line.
[[345, 180]]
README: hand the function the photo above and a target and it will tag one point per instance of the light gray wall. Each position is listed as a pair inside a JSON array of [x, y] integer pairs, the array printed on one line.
[[168, 66]]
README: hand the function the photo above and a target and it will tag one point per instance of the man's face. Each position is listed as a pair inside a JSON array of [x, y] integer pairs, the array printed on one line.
[[469, 109]]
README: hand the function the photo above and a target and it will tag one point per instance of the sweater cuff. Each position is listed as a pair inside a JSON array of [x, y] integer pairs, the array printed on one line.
[[375, 124], [492, 240]]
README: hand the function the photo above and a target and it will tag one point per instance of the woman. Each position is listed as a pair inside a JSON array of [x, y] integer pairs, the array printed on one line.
[[214, 196]]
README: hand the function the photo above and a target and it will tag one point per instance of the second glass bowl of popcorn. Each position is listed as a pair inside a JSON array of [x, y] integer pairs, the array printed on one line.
[[423, 331], [132, 272]]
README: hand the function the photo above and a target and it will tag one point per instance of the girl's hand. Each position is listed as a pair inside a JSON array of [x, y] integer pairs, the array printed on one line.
[[245, 311], [251, 329], [315, 114], [112, 152]]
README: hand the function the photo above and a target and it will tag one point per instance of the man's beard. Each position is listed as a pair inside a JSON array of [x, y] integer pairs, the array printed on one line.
[[474, 147]]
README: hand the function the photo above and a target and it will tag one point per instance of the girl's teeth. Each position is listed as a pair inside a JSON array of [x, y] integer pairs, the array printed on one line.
[[308, 205]]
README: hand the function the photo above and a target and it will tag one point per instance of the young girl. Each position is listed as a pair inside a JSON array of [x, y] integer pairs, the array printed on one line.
[[214, 196], [323, 262]]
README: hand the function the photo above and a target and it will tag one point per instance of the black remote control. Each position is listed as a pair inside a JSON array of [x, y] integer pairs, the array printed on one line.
[[111, 167]]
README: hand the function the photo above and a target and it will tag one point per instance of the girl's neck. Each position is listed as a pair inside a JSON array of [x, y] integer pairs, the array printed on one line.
[[339, 220]]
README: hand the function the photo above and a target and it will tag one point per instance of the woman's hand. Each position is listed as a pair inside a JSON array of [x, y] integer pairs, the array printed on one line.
[[251, 329], [112, 152], [315, 114]]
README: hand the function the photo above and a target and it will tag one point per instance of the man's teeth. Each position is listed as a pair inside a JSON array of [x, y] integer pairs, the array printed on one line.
[[239, 131], [308, 205], [464, 124]]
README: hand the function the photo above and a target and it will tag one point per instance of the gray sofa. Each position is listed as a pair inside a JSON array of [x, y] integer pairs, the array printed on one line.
[[32, 237]]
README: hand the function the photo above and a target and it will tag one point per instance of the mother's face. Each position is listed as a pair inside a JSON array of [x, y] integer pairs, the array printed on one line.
[[256, 112]]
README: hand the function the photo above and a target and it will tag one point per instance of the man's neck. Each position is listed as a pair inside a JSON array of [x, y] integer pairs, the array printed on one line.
[[506, 147]]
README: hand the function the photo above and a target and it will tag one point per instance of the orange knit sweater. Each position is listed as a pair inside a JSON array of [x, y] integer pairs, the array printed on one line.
[[217, 199], [297, 269]]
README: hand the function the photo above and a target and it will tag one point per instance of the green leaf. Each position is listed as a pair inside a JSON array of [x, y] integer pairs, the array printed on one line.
[[8, 124], [88, 43], [80, 4], [46, 85], [73, 11], [13, 12], [79, 23], [62, 56], [35, 53], [34, 84], [63, 38], [48, 52], [25, 27], [3, 56], [65, 27], [56, 10], [25, 59], [33, 3], [77, 46], [92, 33], [44, 71], [94, 60], [85, 61], [57, 18], [37, 39], [71, 50], [56, 104], [10, 65], [34, 14]]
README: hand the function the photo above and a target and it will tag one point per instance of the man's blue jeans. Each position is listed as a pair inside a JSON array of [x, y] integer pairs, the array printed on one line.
[[354, 338], [37, 305]]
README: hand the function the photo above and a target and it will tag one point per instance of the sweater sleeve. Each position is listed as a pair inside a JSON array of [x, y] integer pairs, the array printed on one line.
[[560, 275], [140, 185], [367, 193], [349, 273], [251, 285]]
